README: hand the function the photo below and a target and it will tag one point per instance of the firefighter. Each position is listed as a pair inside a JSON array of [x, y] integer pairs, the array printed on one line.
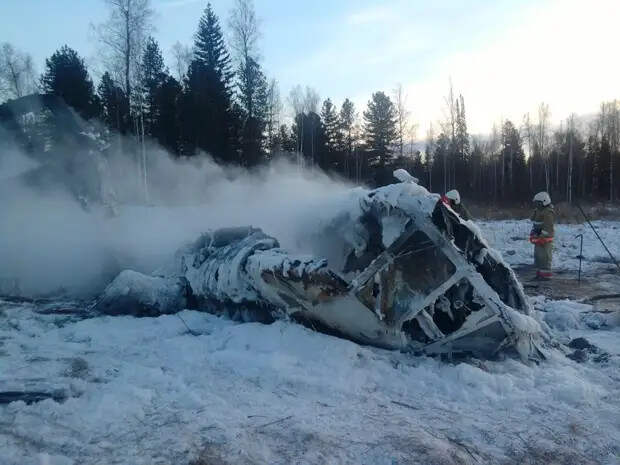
[[453, 200], [542, 235]]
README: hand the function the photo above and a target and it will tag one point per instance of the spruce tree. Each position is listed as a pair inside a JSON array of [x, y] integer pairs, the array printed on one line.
[[66, 76], [210, 49], [208, 118], [380, 127]]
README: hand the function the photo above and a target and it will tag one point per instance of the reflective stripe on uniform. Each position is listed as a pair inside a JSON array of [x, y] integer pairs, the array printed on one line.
[[540, 240]]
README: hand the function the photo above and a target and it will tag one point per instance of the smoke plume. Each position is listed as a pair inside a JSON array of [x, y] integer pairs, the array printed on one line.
[[52, 239]]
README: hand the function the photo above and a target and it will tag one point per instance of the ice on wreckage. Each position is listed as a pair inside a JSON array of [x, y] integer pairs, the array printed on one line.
[[395, 268]]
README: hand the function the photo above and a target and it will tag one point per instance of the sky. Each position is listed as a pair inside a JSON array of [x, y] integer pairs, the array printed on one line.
[[504, 56]]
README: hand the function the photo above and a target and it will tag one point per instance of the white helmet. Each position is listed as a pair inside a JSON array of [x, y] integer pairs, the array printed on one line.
[[543, 198], [454, 196]]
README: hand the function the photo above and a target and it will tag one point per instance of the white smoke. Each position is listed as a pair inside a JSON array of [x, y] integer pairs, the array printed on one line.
[[49, 240]]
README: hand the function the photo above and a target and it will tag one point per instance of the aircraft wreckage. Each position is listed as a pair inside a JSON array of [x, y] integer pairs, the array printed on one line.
[[397, 270]]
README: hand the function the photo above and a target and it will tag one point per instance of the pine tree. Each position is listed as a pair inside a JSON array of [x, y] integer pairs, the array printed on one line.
[[252, 89], [347, 121], [440, 157], [512, 152], [347, 125], [114, 104], [66, 76], [331, 143], [167, 128], [253, 92], [331, 123], [380, 127], [152, 77], [287, 139], [476, 167]]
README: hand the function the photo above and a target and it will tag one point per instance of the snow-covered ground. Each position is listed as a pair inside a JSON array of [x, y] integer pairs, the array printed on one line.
[[511, 238], [150, 391]]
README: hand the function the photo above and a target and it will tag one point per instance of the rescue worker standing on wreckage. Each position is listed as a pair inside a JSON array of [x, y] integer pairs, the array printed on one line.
[[541, 235], [453, 200]]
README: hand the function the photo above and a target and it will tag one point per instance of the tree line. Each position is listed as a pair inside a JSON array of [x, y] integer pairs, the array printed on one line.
[[577, 160], [218, 100]]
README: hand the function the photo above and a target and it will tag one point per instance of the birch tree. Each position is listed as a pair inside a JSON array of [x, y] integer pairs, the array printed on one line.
[[123, 36], [529, 137], [244, 40], [274, 110], [16, 73], [252, 84], [402, 116], [181, 59], [542, 135], [449, 128]]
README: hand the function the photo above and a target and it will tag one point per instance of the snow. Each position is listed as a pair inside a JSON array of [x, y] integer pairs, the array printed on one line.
[[146, 391], [228, 266], [391, 228], [131, 293], [511, 238], [564, 315], [410, 197], [149, 390]]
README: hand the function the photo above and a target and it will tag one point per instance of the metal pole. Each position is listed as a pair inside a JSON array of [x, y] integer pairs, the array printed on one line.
[[580, 256], [599, 237]]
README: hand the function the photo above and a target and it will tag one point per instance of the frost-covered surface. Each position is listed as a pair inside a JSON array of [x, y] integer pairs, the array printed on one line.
[[149, 390], [227, 266], [145, 390], [404, 229], [511, 238], [137, 294]]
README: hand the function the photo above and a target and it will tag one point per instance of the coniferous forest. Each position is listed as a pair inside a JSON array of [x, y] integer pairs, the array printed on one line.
[[217, 98]]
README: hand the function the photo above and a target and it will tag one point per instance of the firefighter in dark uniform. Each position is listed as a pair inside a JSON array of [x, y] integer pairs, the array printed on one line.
[[541, 236], [453, 200]]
